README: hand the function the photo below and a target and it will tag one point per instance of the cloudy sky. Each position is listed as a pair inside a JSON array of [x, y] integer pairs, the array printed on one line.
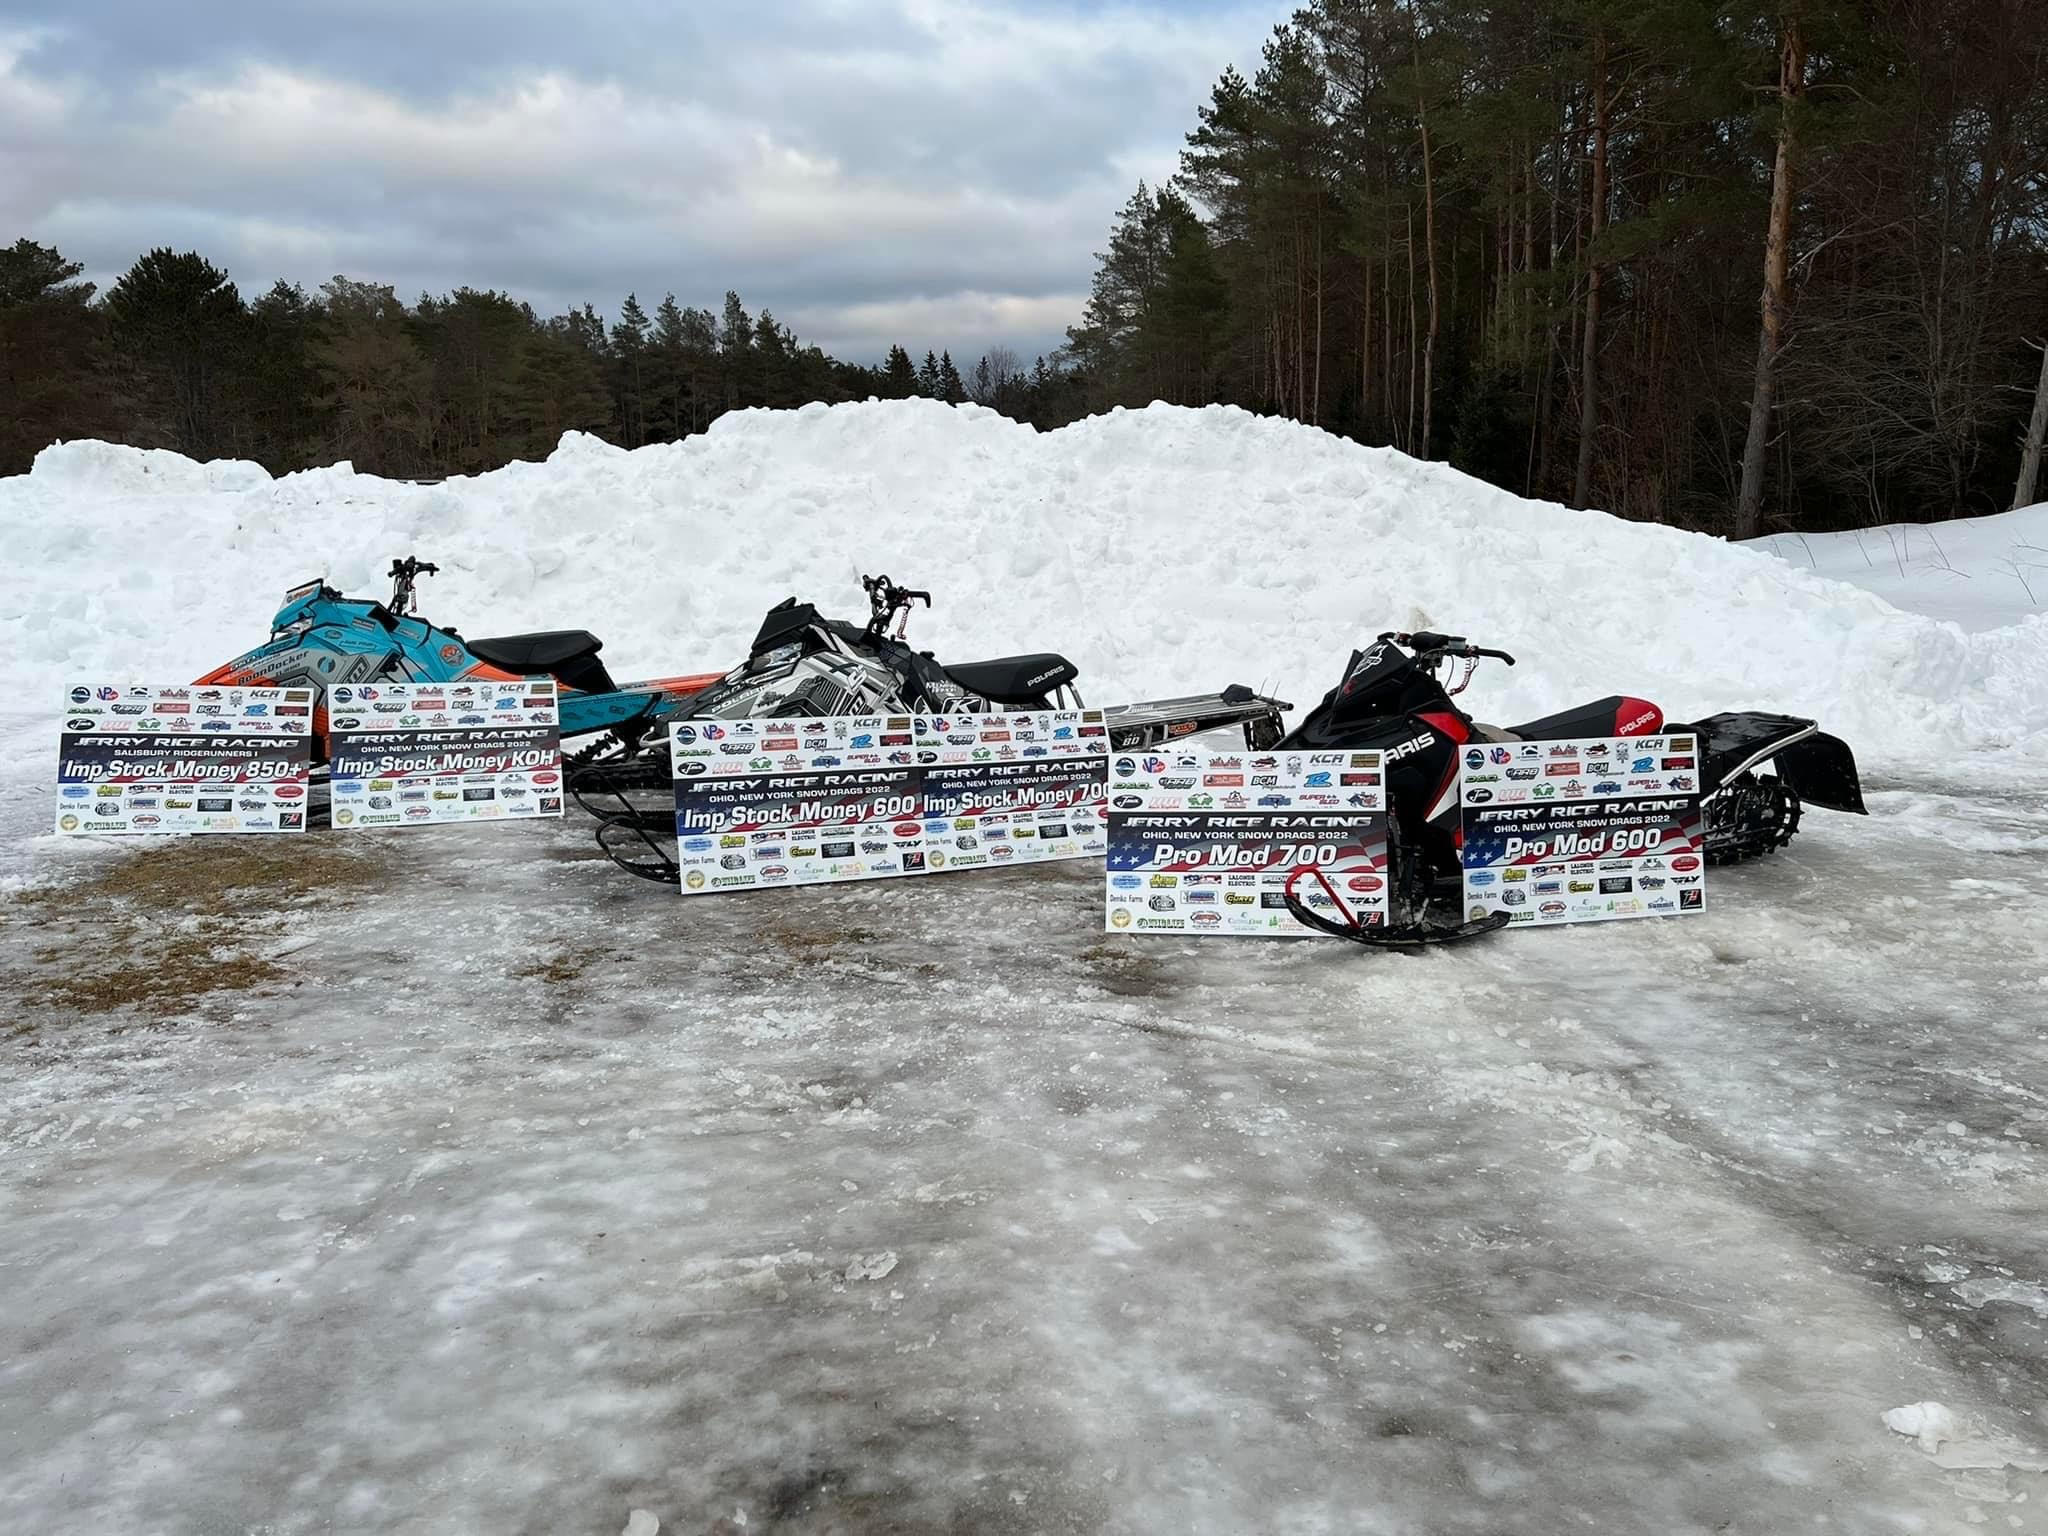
[[931, 171]]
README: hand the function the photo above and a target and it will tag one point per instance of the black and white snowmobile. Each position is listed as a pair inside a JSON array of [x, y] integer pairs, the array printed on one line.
[[1393, 697], [803, 664]]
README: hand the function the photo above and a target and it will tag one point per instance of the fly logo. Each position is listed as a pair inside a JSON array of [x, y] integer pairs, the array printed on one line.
[[1426, 739]]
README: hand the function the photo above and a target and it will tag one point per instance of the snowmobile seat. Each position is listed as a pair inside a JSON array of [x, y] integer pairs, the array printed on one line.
[[1602, 717], [1015, 679], [527, 654], [569, 655]]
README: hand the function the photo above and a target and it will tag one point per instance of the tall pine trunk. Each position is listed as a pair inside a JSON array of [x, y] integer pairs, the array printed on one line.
[[1429, 239], [1777, 268], [1589, 368], [2037, 429], [1365, 352]]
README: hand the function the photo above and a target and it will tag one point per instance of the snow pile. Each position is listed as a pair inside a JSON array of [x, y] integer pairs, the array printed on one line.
[[1979, 572], [1164, 550], [1930, 1423]]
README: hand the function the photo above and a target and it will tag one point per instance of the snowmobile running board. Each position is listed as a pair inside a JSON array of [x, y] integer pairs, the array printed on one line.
[[1132, 726]]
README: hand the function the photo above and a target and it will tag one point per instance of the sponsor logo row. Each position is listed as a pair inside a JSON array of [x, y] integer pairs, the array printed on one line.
[[187, 710], [1511, 773], [723, 748]]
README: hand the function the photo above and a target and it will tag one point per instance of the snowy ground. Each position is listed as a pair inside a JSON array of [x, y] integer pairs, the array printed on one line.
[[1978, 572], [450, 1181], [521, 1195]]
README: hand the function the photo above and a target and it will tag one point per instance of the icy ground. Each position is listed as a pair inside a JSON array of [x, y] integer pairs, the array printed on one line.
[[451, 1182], [521, 1195]]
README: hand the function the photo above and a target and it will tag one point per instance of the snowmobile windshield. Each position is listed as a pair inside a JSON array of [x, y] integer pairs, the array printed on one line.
[[784, 625], [1384, 680], [1380, 666], [298, 603]]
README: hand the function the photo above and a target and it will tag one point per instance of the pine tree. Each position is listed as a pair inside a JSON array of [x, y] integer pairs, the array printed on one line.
[[667, 387], [279, 386], [558, 387], [377, 398], [775, 357], [1156, 307], [928, 376], [701, 368], [475, 343], [950, 388], [54, 366], [181, 320], [629, 370], [735, 343], [899, 376], [31, 273]]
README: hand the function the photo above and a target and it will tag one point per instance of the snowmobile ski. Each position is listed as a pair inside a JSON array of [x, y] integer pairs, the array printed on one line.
[[1405, 935]]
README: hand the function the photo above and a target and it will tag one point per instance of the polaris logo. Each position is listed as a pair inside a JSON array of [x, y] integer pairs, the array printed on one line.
[[1414, 745]]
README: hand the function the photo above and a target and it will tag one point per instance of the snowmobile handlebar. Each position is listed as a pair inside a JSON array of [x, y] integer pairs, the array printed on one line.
[[403, 573], [886, 599], [1428, 643]]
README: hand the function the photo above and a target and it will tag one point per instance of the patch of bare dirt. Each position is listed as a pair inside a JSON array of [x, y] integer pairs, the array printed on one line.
[[156, 932]]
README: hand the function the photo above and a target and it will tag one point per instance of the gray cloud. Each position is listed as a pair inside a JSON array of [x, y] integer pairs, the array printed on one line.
[[931, 171]]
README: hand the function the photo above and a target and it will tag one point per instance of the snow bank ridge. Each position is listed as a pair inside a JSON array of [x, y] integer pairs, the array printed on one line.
[[1164, 549]]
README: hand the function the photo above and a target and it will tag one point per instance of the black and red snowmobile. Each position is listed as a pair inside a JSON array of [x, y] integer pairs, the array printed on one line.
[[1394, 698]]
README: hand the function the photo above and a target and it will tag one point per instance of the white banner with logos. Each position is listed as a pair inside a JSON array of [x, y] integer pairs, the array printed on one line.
[[421, 754], [777, 803], [1583, 831], [1209, 842], [190, 757]]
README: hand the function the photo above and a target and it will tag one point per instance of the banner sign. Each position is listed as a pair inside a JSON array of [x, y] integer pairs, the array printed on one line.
[[1583, 831], [861, 797], [1202, 841], [188, 758], [422, 754]]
